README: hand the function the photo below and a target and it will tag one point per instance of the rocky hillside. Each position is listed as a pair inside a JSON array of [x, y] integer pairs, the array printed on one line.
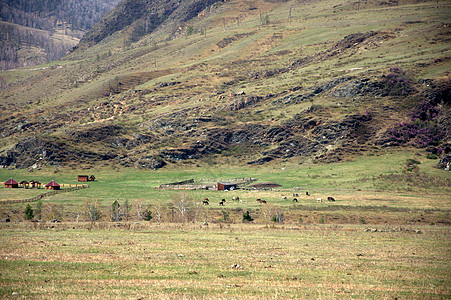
[[33, 32], [157, 83]]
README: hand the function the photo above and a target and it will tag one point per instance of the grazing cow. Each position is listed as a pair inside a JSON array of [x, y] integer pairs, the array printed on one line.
[[307, 194], [295, 199], [284, 198], [236, 199], [222, 202], [330, 199], [261, 201], [205, 202], [295, 195], [319, 200]]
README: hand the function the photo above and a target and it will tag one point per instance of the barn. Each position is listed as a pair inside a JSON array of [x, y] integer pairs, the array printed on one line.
[[52, 185], [11, 184], [226, 186]]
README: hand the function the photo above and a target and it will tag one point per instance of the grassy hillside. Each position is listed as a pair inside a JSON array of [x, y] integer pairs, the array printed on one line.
[[34, 32], [242, 82]]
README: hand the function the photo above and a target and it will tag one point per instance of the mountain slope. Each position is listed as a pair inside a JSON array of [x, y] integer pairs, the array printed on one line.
[[240, 82], [34, 32]]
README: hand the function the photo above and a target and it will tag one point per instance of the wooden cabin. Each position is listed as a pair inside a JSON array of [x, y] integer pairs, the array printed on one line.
[[85, 178], [52, 185], [11, 184], [24, 184], [226, 186], [35, 184]]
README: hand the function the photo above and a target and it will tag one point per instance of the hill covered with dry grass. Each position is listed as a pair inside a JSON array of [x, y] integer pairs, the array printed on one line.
[[239, 82]]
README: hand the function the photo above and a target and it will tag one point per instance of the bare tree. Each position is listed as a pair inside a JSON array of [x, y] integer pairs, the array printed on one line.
[[139, 209], [182, 206], [266, 212], [158, 211], [92, 212], [127, 209]]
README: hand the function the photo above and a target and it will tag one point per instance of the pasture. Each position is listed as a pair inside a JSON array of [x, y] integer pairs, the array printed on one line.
[[146, 261], [386, 236]]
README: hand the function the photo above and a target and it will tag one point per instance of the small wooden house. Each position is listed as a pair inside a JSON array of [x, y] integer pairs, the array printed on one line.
[[24, 184], [85, 178], [11, 184], [35, 184], [226, 186], [52, 185]]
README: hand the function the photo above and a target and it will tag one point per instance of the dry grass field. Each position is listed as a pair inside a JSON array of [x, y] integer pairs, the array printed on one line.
[[149, 261]]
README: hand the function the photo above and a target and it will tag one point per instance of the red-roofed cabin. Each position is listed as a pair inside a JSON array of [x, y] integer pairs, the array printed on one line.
[[52, 185], [11, 184]]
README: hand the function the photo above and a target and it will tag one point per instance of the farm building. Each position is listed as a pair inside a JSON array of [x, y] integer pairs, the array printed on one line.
[[35, 184], [226, 186], [52, 185], [24, 184], [11, 184], [84, 178]]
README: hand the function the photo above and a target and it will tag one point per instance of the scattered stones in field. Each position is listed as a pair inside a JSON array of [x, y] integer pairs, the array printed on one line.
[[294, 278], [181, 255], [392, 230]]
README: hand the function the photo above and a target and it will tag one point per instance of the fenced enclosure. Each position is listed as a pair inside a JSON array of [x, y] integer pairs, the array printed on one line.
[[64, 189], [204, 184]]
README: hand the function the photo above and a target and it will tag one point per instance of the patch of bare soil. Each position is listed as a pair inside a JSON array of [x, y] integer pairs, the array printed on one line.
[[264, 185]]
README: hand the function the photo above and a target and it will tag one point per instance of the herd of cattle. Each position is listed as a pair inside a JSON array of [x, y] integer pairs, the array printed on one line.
[[206, 201]]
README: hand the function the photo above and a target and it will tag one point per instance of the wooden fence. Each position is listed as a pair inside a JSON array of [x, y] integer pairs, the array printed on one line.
[[51, 193], [204, 184]]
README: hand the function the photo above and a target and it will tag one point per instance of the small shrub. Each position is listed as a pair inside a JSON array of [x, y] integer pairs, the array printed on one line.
[[247, 217], [225, 216], [38, 211], [189, 30], [396, 83], [362, 220], [147, 215], [432, 156], [301, 220], [29, 212], [321, 220]]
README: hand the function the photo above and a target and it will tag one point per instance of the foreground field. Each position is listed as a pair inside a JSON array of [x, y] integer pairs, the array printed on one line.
[[144, 261], [386, 236]]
